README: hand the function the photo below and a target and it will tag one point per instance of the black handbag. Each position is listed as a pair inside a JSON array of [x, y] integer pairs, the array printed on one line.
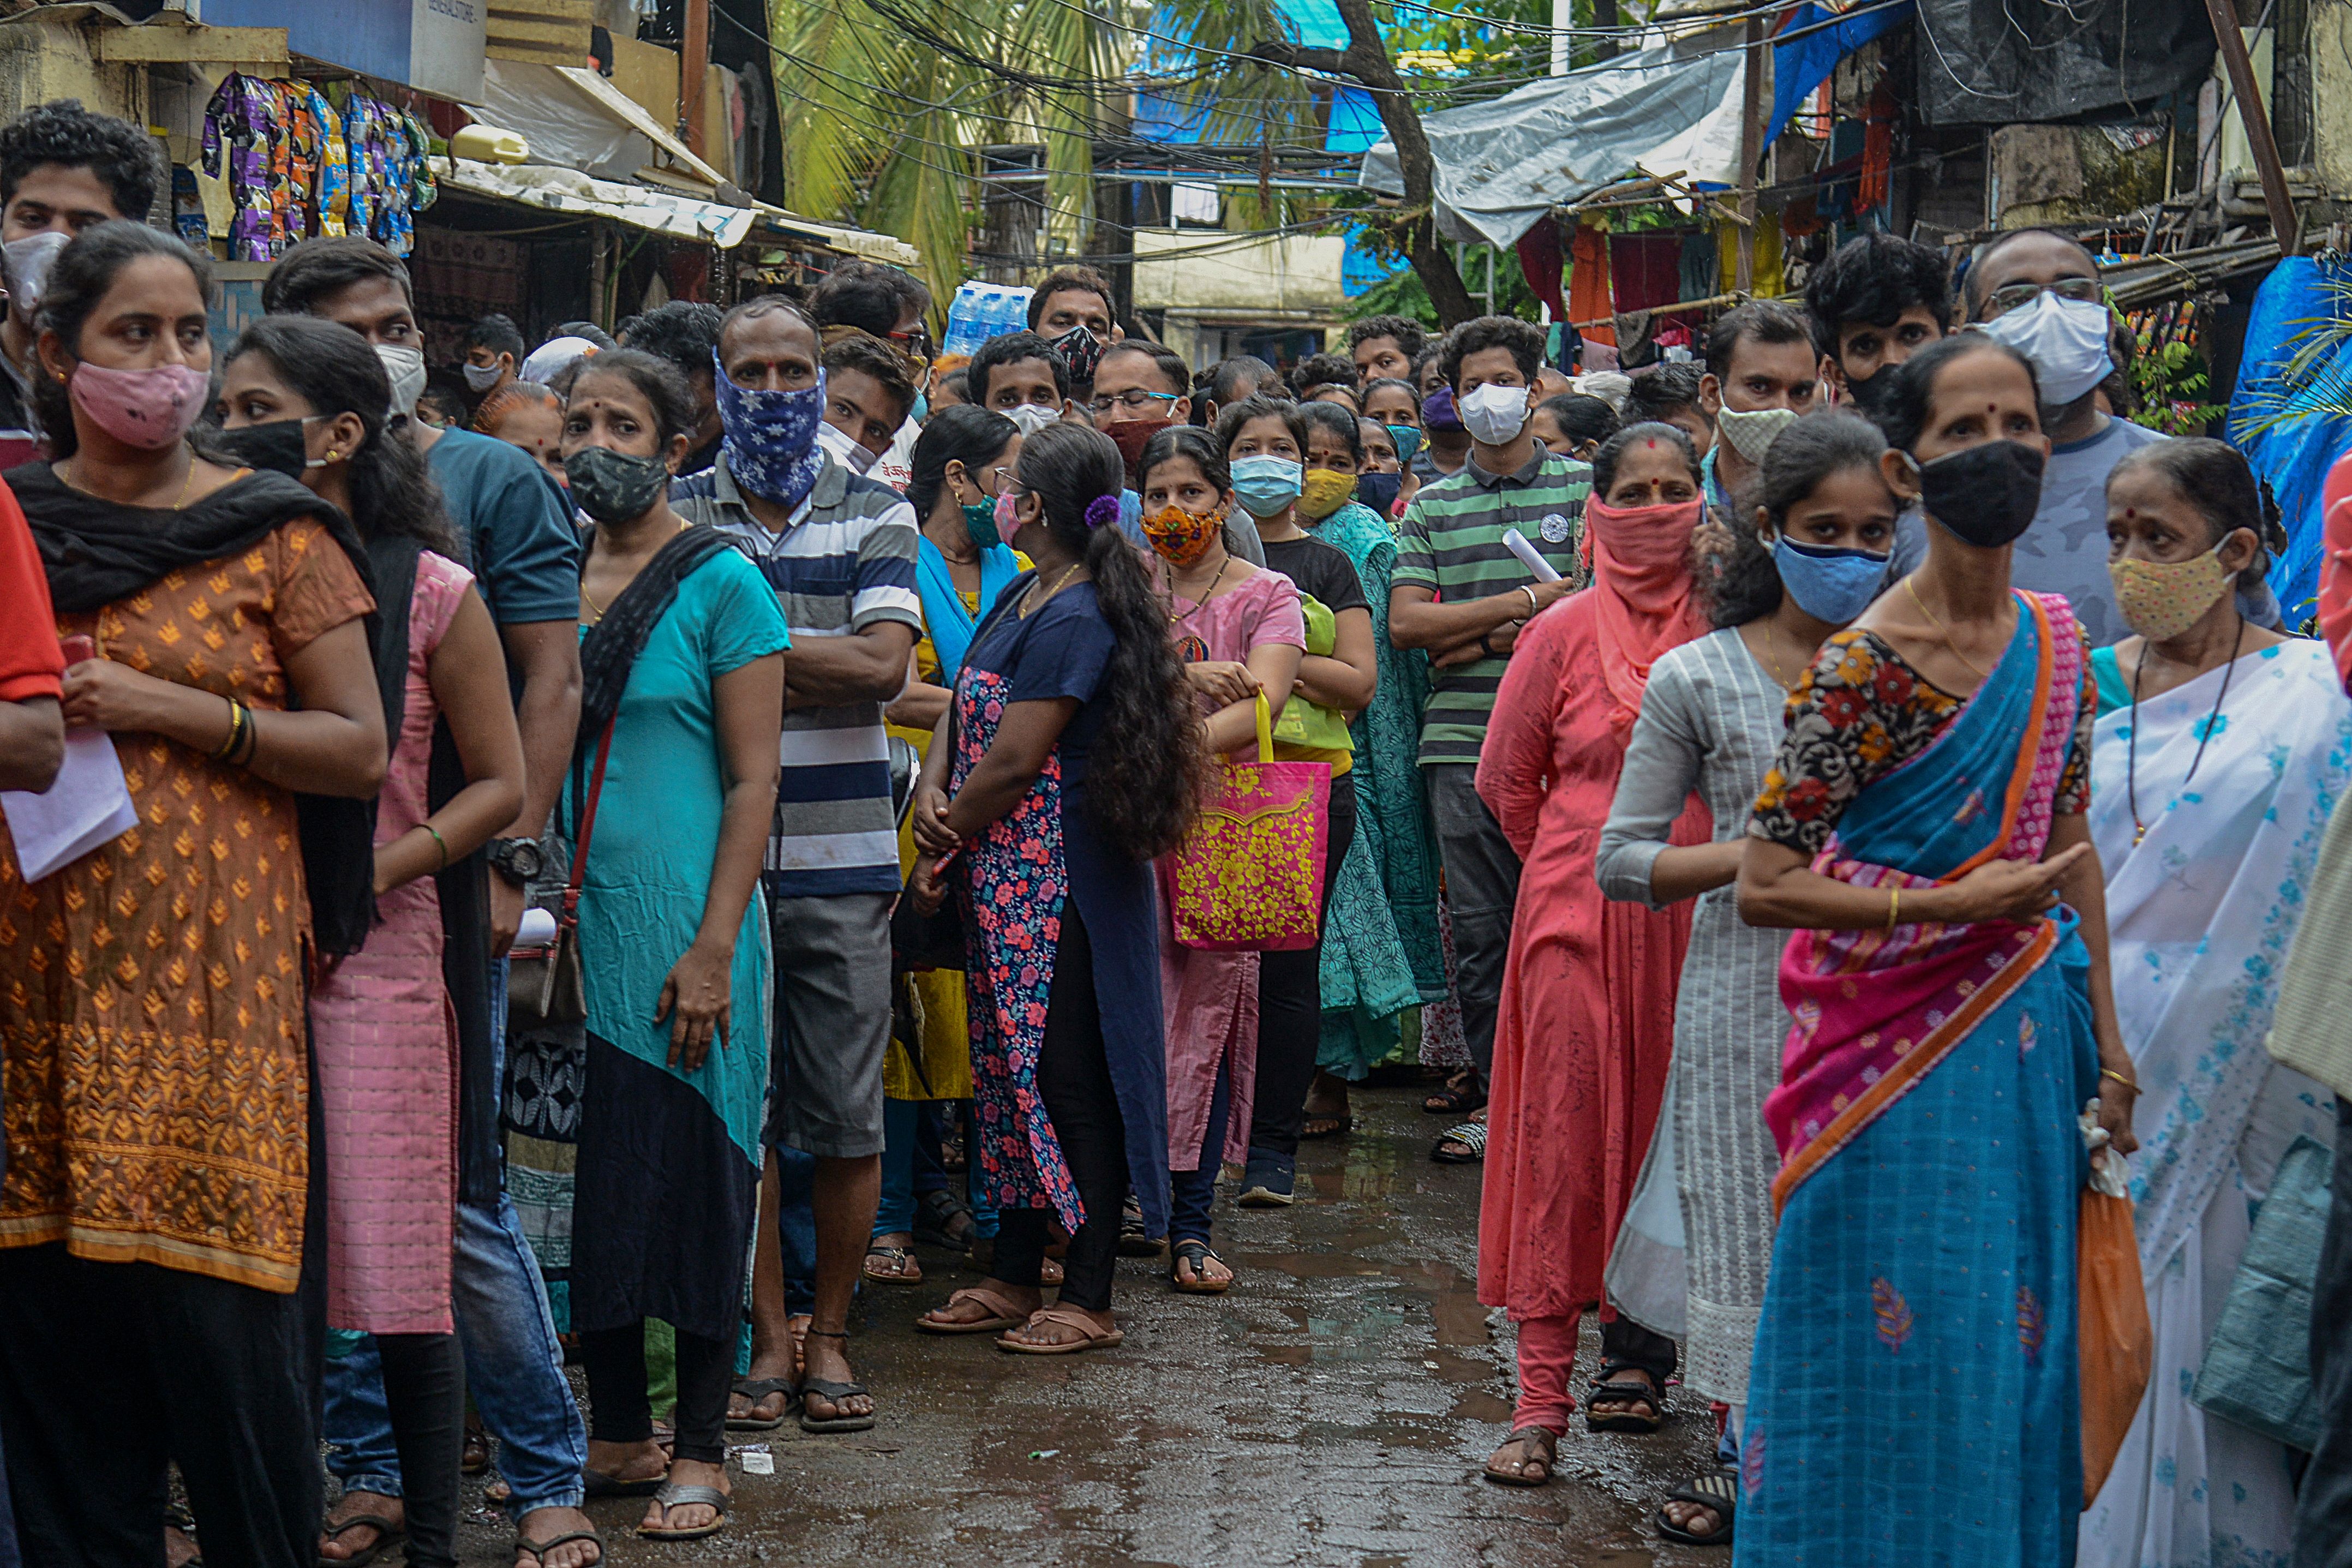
[[544, 987]]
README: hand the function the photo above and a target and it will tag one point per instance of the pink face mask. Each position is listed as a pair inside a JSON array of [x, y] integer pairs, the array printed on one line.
[[1008, 517], [150, 408]]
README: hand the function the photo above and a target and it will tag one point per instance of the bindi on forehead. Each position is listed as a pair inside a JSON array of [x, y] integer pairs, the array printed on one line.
[[1650, 442]]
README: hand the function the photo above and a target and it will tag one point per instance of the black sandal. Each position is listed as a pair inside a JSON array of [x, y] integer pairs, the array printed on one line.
[[756, 1389], [1471, 1136], [539, 1549], [1460, 1097], [1195, 1253], [1719, 1491], [388, 1536], [833, 1393], [1627, 1393]]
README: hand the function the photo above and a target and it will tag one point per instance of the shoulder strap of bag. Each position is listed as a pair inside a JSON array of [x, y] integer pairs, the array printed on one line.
[[587, 826], [1265, 729]]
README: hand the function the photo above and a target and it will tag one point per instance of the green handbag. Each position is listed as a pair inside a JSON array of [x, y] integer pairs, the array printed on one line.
[[1305, 723]]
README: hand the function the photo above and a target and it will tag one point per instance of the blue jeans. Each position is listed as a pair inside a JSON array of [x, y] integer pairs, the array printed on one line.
[[1191, 1193], [514, 1365], [910, 1167]]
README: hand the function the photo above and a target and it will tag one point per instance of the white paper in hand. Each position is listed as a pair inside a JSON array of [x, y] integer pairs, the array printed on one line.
[[537, 929], [1530, 556], [87, 806]]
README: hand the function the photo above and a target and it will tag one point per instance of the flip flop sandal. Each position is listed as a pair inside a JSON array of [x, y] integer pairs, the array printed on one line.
[[539, 1549], [1622, 1393], [475, 1458], [1195, 1253], [1068, 1318], [1319, 1127], [1007, 1315], [833, 1393], [596, 1483], [1470, 1135], [1547, 1443], [756, 1389], [388, 1536], [1719, 1491], [899, 1267], [675, 1496]]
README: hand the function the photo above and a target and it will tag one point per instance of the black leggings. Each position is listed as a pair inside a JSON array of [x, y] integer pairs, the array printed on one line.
[[1074, 1080], [619, 1410], [1290, 1008], [425, 1390]]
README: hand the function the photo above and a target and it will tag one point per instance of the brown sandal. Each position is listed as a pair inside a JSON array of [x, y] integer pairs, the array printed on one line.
[[1068, 1318], [1539, 1445], [1007, 1315], [896, 1266]]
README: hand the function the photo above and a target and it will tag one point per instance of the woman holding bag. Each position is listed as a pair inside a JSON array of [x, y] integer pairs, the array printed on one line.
[[1241, 635], [1586, 1027], [1074, 761]]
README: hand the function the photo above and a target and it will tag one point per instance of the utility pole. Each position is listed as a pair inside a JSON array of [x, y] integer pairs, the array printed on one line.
[[2256, 118], [694, 58], [1751, 150]]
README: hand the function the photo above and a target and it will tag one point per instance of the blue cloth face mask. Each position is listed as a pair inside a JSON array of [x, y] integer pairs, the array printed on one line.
[[1266, 485], [1829, 585], [771, 442], [1408, 441]]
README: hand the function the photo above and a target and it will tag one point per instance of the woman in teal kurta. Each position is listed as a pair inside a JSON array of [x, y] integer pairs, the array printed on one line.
[[672, 788]]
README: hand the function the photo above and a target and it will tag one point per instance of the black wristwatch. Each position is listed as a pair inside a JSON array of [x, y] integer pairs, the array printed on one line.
[[518, 861]]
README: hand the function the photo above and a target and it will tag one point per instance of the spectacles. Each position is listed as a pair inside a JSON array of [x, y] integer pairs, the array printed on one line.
[[2012, 295], [1134, 397], [916, 341]]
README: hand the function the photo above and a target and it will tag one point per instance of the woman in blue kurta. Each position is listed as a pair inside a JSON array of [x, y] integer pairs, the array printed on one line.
[[1913, 1397], [673, 783], [1069, 759]]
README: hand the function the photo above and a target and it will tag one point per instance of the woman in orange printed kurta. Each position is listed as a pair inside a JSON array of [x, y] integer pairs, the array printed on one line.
[[152, 991], [1586, 1027]]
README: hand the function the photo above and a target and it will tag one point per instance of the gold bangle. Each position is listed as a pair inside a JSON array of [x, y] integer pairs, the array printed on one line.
[[1894, 904], [238, 721], [2110, 1072]]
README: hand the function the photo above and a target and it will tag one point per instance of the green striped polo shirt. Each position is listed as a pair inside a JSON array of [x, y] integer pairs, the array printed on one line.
[[1451, 542]]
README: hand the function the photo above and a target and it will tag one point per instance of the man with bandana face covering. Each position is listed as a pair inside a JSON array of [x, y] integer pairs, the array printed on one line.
[[61, 170]]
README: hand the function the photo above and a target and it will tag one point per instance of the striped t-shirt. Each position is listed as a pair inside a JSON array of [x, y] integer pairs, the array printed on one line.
[[1451, 542], [845, 561]]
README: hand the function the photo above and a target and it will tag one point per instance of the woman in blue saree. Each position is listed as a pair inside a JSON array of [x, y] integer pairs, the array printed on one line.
[[1914, 1395]]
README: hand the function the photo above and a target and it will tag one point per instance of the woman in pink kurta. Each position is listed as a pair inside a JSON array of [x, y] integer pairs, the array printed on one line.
[[1235, 628], [1586, 1025]]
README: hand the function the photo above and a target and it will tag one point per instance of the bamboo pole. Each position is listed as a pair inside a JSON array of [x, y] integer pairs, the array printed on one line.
[[2256, 115], [1751, 149]]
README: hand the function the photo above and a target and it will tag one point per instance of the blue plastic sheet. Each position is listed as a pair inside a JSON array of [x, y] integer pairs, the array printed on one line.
[[2295, 454], [1802, 65]]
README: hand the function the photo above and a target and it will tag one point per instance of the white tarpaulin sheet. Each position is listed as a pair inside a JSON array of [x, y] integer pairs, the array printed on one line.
[[570, 191], [1506, 162]]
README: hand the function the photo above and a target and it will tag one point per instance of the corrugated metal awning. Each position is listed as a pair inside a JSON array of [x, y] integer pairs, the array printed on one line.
[[552, 189]]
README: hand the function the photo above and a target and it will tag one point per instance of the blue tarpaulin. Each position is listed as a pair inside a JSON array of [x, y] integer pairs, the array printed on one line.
[[1802, 65], [2294, 455]]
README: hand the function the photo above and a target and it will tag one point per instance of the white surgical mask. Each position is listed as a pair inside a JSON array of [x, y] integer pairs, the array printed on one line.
[[406, 367], [845, 451], [2065, 338], [1494, 413], [1751, 431], [482, 377], [29, 260], [1033, 417]]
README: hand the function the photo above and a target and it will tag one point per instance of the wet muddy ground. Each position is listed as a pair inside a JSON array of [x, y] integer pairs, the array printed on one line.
[[1333, 1408]]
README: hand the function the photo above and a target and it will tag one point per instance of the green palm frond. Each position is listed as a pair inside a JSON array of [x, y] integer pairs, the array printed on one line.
[[2317, 377]]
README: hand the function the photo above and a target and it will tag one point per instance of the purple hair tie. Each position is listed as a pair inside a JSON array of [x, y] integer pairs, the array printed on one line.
[[1102, 511]]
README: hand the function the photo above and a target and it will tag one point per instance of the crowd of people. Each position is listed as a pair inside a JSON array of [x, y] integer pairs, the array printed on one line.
[[616, 842]]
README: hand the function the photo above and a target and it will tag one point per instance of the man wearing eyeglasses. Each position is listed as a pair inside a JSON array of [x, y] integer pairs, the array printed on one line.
[[1141, 389], [2039, 291]]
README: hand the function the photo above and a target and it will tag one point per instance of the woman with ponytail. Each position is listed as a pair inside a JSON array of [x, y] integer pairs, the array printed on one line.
[[1045, 838]]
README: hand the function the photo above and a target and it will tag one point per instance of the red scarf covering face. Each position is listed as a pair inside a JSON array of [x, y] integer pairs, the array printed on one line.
[[1645, 601]]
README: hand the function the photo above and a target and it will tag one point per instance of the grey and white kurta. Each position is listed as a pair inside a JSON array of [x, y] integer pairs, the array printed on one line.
[[1711, 721]]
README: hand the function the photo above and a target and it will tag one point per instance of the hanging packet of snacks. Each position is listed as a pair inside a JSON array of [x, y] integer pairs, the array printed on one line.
[[188, 208], [365, 140], [302, 158], [332, 201], [240, 121], [426, 189], [398, 233]]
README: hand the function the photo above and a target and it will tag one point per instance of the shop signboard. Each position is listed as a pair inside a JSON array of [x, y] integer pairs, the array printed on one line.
[[433, 45]]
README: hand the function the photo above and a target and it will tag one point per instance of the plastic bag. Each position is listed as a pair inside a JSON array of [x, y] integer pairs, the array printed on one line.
[[2117, 1345]]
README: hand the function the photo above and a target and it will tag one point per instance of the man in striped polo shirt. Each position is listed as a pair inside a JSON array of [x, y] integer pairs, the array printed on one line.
[[839, 549], [1460, 593]]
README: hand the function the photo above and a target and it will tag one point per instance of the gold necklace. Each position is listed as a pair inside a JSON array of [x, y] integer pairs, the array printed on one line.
[[1943, 631], [1771, 665], [177, 501], [1033, 600], [596, 610]]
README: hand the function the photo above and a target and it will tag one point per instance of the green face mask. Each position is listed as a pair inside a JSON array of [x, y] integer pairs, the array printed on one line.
[[979, 521]]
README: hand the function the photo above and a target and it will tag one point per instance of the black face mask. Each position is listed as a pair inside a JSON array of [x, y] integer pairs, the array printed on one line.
[[1871, 392], [1379, 491], [615, 487], [277, 446], [1080, 352], [1986, 494]]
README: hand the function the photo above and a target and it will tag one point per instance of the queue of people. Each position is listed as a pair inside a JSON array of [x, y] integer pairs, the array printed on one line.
[[834, 716]]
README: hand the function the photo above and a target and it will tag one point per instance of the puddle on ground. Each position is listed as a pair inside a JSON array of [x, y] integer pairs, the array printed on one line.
[[1478, 1404], [1333, 1265]]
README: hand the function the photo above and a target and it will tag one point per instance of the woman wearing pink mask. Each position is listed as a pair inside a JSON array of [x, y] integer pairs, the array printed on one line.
[[156, 983], [1586, 1027]]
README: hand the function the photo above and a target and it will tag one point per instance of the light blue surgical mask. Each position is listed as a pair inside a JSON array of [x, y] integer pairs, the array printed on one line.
[[921, 409], [1408, 441], [1829, 585], [1268, 485]]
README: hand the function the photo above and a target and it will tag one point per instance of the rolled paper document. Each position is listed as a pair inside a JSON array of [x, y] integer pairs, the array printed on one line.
[[537, 929], [1544, 570]]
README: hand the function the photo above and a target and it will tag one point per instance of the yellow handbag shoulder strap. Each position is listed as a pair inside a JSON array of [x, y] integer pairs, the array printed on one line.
[[1265, 729]]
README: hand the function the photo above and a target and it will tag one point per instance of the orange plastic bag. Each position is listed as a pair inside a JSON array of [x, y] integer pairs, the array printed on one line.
[[2117, 1345]]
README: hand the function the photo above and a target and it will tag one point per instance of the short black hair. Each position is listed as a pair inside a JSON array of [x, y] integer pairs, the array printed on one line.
[[657, 380], [872, 357], [868, 296], [957, 385], [1663, 390], [684, 332], [497, 333], [119, 154], [1012, 348], [1072, 281], [1971, 275], [1580, 416], [1339, 422], [1524, 339], [588, 329], [1325, 370], [1225, 382], [1872, 279], [1409, 334], [1912, 397], [318, 267], [1166, 361], [1756, 321]]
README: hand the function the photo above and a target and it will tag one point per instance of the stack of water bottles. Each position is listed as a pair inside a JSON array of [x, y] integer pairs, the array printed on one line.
[[985, 311]]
